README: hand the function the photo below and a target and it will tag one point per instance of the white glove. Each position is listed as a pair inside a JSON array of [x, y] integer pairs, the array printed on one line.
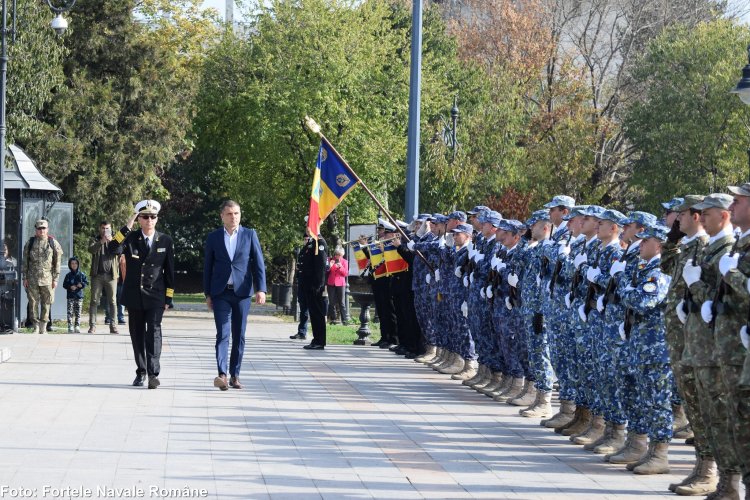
[[472, 252], [592, 274], [501, 265], [728, 262], [621, 331], [564, 250], [441, 243], [508, 305], [580, 259], [449, 241], [547, 242], [744, 337], [428, 278], [538, 280], [582, 313], [567, 300], [494, 261], [471, 277], [457, 272], [618, 266], [629, 288], [465, 309], [681, 312], [481, 293], [600, 303], [410, 245], [422, 230], [489, 293], [706, 313], [479, 257], [691, 273], [513, 280], [437, 274], [466, 281]]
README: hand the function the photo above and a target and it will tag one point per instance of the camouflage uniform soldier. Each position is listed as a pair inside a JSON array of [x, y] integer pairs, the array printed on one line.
[[41, 271], [422, 303], [685, 241], [730, 330], [644, 329], [703, 278]]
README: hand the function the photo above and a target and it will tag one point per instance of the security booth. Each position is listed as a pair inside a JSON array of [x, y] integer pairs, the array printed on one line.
[[30, 196]]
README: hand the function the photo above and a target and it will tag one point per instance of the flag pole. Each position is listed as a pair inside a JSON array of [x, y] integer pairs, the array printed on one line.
[[315, 128]]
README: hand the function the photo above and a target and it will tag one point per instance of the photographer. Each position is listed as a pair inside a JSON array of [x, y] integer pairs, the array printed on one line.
[[104, 273]]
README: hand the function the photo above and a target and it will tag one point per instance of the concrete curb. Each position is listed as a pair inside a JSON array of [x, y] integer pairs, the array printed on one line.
[[4, 354]]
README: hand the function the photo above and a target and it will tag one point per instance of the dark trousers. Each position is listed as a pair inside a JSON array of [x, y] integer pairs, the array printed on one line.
[[381, 291], [409, 334], [336, 302], [317, 308], [145, 334], [303, 314], [120, 307], [230, 316]]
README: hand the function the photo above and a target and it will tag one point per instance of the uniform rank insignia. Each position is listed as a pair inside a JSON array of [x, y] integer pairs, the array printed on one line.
[[649, 287], [161, 250]]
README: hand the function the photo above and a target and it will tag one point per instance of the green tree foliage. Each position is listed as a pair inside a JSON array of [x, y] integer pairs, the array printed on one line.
[[344, 63], [121, 114], [691, 133]]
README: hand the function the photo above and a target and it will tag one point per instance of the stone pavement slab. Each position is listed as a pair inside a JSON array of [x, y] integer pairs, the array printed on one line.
[[348, 422]]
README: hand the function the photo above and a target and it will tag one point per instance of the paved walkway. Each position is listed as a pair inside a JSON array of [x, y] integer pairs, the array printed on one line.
[[347, 422]]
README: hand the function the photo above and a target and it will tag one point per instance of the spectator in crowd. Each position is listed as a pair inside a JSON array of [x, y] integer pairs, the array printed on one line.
[[75, 281], [338, 270]]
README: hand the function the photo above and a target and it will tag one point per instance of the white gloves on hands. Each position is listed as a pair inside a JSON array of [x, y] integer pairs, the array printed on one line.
[[457, 272], [410, 245], [471, 277], [547, 242], [691, 273], [618, 266], [466, 281], [449, 241], [706, 313], [482, 294], [600, 303], [681, 312], [582, 313], [592, 274], [564, 250], [744, 337], [501, 265], [437, 274], [728, 262], [580, 259], [538, 279], [513, 280], [489, 293], [428, 278], [567, 300], [479, 257], [621, 331], [465, 309]]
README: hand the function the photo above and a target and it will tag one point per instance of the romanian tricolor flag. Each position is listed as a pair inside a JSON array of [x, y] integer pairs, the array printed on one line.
[[361, 257], [394, 263], [332, 181], [377, 257]]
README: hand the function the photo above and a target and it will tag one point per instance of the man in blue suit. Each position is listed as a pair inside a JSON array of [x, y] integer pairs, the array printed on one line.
[[233, 268]]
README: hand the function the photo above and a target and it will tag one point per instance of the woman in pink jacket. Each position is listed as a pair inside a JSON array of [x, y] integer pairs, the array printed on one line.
[[336, 283]]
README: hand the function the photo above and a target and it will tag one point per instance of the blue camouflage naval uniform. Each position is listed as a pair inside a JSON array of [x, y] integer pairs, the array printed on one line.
[[457, 294], [648, 350], [536, 341], [508, 317], [586, 382], [429, 246], [480, 316], [423, 305]]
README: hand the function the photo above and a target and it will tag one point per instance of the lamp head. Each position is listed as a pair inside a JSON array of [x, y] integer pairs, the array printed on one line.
[[743, 86], [59, 24]]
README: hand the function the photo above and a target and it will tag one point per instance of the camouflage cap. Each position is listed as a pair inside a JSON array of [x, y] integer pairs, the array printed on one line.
[[593, 211], [561, 201], [463, 228], [575, 211], [654, 231], [640, 218], [743, 190], [689, 202], [537, 216], [477, 209], [715, 200], [511, 225], [670, 205], [491, 217], [457, 215], [41, 224]]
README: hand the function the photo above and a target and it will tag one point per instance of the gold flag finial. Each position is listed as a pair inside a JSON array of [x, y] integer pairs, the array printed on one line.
[[312, 125]]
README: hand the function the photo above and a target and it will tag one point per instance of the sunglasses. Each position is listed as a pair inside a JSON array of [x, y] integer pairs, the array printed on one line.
[[149, 216]]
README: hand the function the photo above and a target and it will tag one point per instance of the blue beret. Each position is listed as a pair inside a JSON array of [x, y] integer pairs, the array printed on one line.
[[561, 201]]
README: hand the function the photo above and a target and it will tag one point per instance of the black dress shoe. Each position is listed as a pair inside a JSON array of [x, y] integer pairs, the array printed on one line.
[[401, 350], [314, 347], [386, 345], [393, 348], [298, 336], [378, 343], [138, 382], [410, 355]]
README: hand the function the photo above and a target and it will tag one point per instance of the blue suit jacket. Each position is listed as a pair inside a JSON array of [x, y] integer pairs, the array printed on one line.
[[247, 268]]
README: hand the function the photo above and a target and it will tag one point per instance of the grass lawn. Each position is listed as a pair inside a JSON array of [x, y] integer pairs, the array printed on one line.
[[346, 335], [191, 298]]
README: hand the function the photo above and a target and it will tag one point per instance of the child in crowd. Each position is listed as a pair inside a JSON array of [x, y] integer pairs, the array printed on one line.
[[75, 281]]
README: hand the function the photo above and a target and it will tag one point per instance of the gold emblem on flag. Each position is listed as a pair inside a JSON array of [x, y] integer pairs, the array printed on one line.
[[342, 180], [323, 154]]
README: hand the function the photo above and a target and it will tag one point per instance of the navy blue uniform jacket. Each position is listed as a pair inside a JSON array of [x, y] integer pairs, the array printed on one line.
[[247, 268]]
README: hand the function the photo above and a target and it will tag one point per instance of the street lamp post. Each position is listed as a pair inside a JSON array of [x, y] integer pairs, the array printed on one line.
[[743, 92], [449, 130], [59, 24], [415, 89]]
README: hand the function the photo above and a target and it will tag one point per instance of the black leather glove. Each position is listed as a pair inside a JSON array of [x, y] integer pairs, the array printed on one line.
[[675, 235]]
